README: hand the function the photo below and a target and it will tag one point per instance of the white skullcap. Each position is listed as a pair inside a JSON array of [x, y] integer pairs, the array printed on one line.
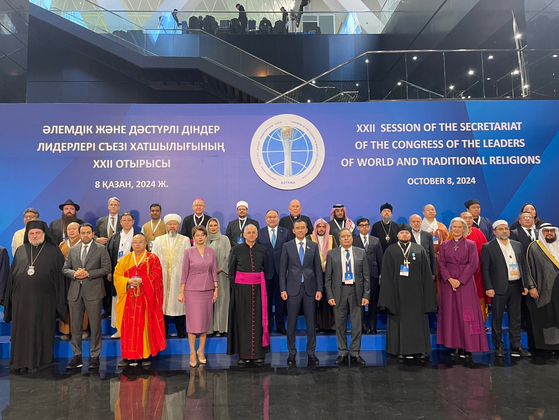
[[172, 216], [242, 203], [499, 223]]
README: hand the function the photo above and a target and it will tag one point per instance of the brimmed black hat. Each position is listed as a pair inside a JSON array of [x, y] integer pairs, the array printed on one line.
[[69, 203]]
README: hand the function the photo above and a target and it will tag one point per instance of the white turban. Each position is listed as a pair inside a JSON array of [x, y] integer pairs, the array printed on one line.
[[499, 223], [172, 216], [242, 203]]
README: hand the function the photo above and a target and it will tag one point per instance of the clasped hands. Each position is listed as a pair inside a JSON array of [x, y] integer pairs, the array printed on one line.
[[454, 283], [81, 274], [134, 282]]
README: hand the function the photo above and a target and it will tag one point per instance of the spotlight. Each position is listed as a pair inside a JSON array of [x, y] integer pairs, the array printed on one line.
[[367, 61], [518, 36], [308, 101], [554, 55], [414, 57], [526, 86], [515, 72], [489, 78], [399, 83], [490, 57], [471, 72], [451, 87], [313, 82], [357, 84]]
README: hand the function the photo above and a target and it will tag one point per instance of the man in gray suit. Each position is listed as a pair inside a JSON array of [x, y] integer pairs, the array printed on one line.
[[85, 267], [300, 279], [348, 285]]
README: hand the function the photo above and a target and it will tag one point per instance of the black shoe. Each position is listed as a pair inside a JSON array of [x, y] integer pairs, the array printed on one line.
[[282, 330], [123, 363], [106, 315], [75, 363], [291, 361], [520, 352], [242, 362], [258, 362], [181, 335], [499, 353], [94, 364], [313, 360], [340, 359], [365, 329], [456, 353], [374, 331], [420, 356], [146, 363], [466, 355], [358, 360]]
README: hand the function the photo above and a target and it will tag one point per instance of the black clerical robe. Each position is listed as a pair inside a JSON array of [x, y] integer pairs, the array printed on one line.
[[381, 230], [245, 336], [33, 303], [288, 222], [408, 300]]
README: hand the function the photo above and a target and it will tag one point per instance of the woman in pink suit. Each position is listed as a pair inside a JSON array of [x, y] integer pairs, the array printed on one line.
[[460, 324], [198, 292]]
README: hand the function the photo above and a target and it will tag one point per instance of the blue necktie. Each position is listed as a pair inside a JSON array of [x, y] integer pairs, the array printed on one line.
[[347, 262], [274, 237], [301, 257]]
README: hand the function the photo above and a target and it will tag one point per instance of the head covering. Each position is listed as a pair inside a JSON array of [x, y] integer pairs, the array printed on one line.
[[69, 203], [325, 243], [471, 202], [213, 236], [386, 206], [242, 203], [499, 223], [553, 248], [39, 224], [172, 216], [403, 226], [348, 223]]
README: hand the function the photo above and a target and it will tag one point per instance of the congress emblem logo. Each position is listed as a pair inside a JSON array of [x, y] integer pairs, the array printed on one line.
[[287, 152]]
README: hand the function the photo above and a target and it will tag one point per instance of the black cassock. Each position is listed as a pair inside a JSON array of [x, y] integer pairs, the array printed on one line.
[[245, 310], [408, 301], [32, 305]]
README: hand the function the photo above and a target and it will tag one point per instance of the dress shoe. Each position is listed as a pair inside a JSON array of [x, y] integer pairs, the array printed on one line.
[[94, 364], [65, 337], [242, 362], [520, 352], [146, 363], [358, 360], [282, 330], [85, 335], [123, 363], [115, 335], [499, 352], [181, 335], [456, 353], [291, 361], [466, 355], [364, 329], [420, 356], [313, 360], [374, 331], [75, 363], [258, 362], [340, 359], [106, 315]]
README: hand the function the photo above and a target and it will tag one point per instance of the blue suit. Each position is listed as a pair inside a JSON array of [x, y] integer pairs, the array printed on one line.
[[301, 281], [271, 272]]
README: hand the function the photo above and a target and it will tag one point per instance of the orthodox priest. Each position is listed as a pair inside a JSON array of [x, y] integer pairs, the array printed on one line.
[[170, 248], [385, 229], [35, 295], [138, 281], [408, 293], [248, 311], [543, 287]]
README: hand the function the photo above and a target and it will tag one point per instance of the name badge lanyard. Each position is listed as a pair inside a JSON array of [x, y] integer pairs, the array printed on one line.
[[348, 276], [136, 263], [70, 246], [406, 253], [241, 239], [513, 268]]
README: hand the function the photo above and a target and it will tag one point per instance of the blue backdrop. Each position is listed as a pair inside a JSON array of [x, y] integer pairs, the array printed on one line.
[[341, 153]]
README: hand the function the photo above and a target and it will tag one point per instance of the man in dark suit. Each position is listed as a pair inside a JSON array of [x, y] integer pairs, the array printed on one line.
[[85, 267], [196, 219], [69, 215], [348, 286], [272, 237], [105, 228], [288, 221], [504, 271], [236, 227], [526, 232], [373, 250], [300, 285], [424, 239]]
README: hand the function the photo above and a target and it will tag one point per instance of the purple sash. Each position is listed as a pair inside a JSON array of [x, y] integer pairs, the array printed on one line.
[[258, 278]]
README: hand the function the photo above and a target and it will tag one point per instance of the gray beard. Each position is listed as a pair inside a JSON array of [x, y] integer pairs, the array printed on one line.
[[173, 234], [37, 243], [386, 221]]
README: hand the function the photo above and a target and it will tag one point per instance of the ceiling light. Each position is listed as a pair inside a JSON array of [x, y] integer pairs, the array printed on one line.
[[490, 57], [308, 101], [451, 87], [414, 57], [367, 61], [399, 83], [357, 84], [471, 72], [489, 78]]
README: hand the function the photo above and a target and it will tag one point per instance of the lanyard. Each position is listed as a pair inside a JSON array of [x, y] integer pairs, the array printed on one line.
[[156, 226]]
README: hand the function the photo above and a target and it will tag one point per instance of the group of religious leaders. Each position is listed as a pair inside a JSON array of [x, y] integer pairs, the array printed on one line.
[[328, 270]]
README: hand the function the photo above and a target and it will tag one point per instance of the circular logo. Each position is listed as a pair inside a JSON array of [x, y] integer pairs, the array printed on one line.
[[287, 152]]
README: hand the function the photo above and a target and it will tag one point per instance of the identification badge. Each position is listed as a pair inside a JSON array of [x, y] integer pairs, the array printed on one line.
[[404, 270], [513, 270], [120, 254], [348, 278], [31, 270], [150, 245], [240, 240], [435, 239]]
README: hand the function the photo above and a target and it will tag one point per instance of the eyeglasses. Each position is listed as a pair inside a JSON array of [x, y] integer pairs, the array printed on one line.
[[527, 217], [29, 217], [363, 225]]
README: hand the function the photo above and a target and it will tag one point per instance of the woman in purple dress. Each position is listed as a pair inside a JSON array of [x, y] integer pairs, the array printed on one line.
[[460, 323], [198, 291]]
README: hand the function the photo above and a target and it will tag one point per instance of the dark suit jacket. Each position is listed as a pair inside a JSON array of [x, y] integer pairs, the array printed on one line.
[[112, 248], [494, 267], [273, 258], [97, 264], [333, 274], [4, 270], [374, 254], [56, 229], [427, 244], [103, 224], [291, 269], [188, 224], [520, 235], [287, 222], [234, 231]]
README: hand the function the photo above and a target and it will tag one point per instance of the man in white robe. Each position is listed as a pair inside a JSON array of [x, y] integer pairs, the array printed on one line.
[[170, 248]]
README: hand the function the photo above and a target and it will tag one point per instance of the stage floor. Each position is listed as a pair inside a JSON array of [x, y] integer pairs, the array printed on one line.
[[387, 388]]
